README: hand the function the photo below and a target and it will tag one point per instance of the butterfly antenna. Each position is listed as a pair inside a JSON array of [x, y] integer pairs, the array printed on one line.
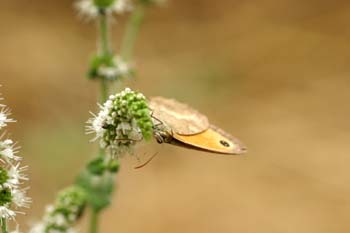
[[147, 162]]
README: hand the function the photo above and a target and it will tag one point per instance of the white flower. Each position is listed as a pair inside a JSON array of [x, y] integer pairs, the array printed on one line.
[[59, 220], [124, 127], [49, 209], [96, 126], [61, 216], [89, 8], [123, 66], [120, 68], [15, 176], [126, 91], [20, 199], [121, 6], [11, 195], [8, 150], [108, 72], [4, 113], [6, 213], [140, 96], [16, 172]]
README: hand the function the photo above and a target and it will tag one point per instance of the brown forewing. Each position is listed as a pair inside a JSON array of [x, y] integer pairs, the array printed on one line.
[[181, 118]]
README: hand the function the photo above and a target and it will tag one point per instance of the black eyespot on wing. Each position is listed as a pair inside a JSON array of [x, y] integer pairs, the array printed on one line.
[[224, 143]]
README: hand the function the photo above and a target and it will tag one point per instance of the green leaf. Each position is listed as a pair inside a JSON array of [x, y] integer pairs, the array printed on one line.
[[99, 189]]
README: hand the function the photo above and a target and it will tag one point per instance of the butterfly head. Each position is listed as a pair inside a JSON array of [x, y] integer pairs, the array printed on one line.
[[162, 133]]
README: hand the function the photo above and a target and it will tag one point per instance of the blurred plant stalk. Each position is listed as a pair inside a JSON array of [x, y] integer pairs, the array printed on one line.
[[94, 185], [101, 193], [127, 48], [132, 31], [105, 48]]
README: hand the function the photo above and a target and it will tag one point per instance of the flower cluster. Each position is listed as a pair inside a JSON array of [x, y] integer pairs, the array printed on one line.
[[92, 8], [60, 217], [109, 68], [124, 119], [98, 182], [12, 174]]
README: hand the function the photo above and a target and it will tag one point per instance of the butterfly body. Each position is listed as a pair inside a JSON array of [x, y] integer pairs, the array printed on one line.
[[178, 124]]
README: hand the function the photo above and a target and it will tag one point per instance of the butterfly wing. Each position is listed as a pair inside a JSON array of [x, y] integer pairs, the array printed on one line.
[[213, 140], [182, 119]]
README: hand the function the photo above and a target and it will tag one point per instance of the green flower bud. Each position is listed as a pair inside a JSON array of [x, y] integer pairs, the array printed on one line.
[[71, 201], [5, 196], [3, 175], [98, 189], [109, 67], [113, 166], [98, 61], [97, 166]]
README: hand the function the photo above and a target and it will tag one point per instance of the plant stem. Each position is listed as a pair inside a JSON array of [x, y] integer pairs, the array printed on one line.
[[127, 48], [104, 90], [104, 48], [104, 33], [3, 225], [132, 31], [94, 221]]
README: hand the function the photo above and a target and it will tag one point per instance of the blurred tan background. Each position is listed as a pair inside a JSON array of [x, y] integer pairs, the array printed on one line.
[[275, 73]]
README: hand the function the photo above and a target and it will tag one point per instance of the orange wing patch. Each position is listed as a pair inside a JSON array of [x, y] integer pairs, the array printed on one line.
[[212, 140]]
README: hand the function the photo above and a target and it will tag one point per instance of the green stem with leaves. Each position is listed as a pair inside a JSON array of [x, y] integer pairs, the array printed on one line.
[[94, 221], [4, 225], [104, 49], [129, 39]]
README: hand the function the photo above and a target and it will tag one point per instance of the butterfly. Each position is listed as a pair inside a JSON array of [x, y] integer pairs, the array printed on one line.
[[178, 124]]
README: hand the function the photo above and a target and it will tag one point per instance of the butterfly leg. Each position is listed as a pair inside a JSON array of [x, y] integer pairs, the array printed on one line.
[[160, 131], [159, 122], [158, 136]]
